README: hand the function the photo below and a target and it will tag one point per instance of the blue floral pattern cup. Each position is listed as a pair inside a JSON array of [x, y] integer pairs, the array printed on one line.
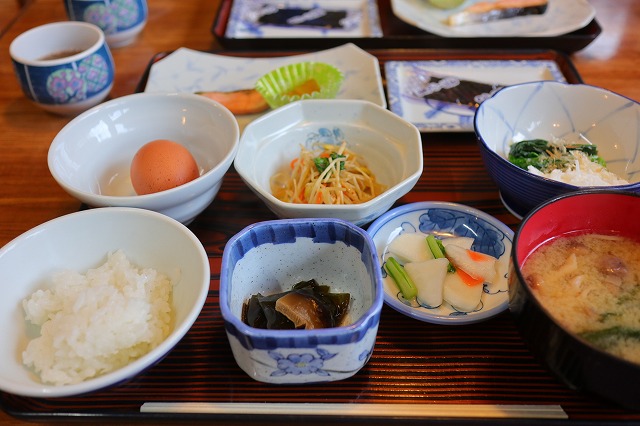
[[121, 20], [64, 67]]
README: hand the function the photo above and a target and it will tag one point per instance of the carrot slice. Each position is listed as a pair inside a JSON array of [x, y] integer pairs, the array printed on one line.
[[468, 279]]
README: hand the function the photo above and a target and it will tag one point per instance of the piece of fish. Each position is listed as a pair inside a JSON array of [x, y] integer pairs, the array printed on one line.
[[488, 11], [239, 102]]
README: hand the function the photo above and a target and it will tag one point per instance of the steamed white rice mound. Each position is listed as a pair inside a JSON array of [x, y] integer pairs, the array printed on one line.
[[583, 173], [95, 323]]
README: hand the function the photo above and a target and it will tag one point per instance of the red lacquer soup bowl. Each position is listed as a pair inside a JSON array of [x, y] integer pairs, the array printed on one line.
[[573, 359]]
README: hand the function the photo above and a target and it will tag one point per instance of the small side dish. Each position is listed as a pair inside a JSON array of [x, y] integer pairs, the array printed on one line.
[[474, 241], [331, 174], [338, 298], [573, 163], [451, 273], [307, 305], [302, 80], [283, 85]]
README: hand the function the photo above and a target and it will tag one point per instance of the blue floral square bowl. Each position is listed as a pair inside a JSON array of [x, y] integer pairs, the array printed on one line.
[[269, 258]]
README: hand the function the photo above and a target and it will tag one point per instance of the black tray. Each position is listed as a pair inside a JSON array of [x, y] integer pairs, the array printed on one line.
[[399, 34]]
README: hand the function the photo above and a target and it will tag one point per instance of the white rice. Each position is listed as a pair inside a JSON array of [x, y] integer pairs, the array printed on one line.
[[583, 173], [95, 323]]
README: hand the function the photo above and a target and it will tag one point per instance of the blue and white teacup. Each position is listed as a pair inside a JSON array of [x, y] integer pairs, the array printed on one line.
[[63, 67], [121, 20]]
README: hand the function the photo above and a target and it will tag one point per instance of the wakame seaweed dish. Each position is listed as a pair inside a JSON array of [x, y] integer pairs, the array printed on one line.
[[271, 258], [549, 112]]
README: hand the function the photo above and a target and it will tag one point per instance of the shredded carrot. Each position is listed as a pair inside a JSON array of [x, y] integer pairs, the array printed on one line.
[[477, 256], [468, 279], [345, 180]]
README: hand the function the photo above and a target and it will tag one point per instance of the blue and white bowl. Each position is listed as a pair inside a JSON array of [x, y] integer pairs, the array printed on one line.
[[270, 257], [67, 85], [548, 110]]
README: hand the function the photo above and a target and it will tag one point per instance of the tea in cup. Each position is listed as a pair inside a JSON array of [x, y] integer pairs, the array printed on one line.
[[121, 20], [63, 67]]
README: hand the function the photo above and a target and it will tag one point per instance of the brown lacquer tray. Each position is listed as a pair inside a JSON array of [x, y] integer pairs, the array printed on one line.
[[398, 34], [415, 367]]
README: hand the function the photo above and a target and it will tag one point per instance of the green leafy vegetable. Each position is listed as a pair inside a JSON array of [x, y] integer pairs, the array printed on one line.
[[261, 311], [605, 338], [323, 162], [438, 251], [405, 283], [547, 156]]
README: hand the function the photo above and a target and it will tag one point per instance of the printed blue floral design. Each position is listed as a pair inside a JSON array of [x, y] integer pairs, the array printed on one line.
[[66, 84], [487, 239], [302, 363], [365, 355], [114, 16], [333, 136], [95, 71], [78, 81]]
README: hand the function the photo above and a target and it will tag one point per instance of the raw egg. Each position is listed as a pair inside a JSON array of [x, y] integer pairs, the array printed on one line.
[[160, 165]]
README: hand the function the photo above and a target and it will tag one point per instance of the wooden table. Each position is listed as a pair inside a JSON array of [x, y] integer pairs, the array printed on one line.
[[30, 196]]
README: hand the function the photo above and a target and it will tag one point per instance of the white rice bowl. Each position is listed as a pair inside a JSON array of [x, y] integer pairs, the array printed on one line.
[[80, 242]]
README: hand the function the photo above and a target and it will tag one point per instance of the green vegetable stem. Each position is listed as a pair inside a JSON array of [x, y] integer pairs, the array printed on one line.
[[438, 251], [404, 282]]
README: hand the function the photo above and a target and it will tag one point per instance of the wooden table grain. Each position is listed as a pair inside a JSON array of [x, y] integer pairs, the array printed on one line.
[[28, 194]]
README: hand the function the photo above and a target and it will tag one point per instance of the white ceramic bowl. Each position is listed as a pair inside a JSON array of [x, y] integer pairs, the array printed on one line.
[[80, 241], [390, 146], [547, 110], [270, 257], [90, 157]]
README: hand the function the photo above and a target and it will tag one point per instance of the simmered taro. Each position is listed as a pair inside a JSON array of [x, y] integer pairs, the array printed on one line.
[[307, 305]]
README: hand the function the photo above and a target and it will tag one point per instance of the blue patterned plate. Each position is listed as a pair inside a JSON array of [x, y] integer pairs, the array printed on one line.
[[254, 19], [447, 220], [441, 96]]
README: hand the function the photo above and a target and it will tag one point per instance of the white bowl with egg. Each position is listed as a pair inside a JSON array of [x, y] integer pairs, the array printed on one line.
[[91, 156], [78, 242], [388, 145]]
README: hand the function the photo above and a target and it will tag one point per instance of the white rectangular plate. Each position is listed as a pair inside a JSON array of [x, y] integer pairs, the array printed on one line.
[[437, 116]]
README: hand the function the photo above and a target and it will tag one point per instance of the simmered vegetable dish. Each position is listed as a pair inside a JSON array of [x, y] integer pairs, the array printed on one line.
[[307, 305]]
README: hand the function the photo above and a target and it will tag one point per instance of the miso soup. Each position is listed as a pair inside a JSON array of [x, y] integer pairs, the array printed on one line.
[[590, 284]]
